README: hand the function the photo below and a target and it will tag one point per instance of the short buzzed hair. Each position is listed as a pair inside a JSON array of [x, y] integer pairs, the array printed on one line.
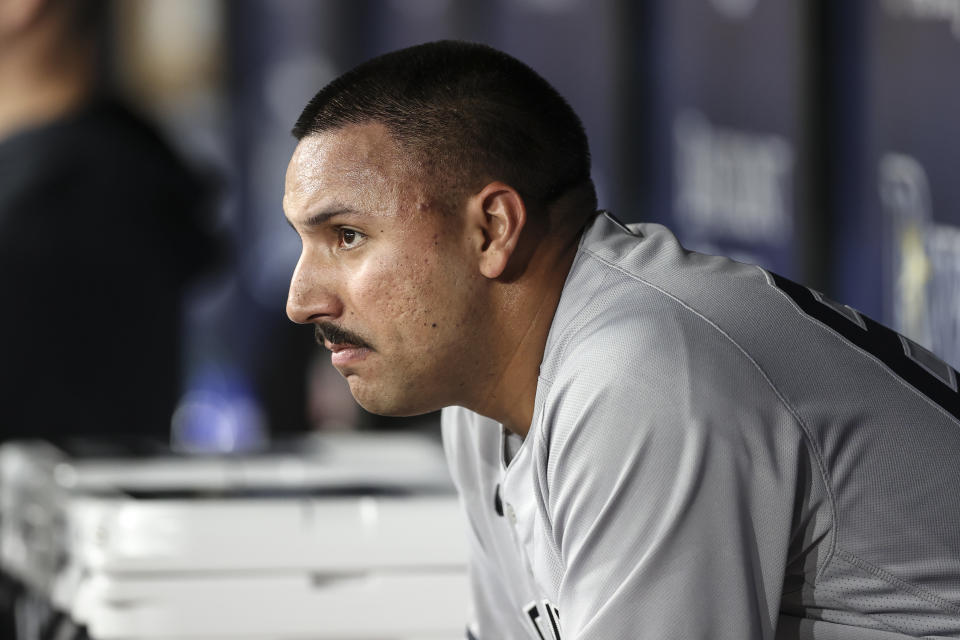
[[468, 114]]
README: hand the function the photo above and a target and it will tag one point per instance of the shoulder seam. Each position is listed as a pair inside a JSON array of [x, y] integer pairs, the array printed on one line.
[[790, 408]]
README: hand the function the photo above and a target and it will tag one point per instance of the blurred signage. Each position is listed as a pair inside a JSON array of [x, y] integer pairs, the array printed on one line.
[[732, 183], [912, 149], [735, 9], [728, 91], [944, 11]]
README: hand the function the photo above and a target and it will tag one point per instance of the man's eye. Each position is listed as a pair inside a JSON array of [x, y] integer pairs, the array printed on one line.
[[349, 238]]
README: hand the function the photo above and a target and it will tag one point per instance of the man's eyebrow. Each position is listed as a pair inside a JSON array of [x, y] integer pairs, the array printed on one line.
[[322, 216], [318, 218]]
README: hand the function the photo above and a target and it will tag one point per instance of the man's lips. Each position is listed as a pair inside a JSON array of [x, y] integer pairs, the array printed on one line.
[[343, 353]]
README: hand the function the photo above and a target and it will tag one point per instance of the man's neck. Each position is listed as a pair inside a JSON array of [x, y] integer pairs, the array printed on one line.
[[512, 397]]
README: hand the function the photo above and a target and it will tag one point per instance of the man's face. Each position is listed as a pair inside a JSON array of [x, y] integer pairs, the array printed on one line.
[[384, 275]]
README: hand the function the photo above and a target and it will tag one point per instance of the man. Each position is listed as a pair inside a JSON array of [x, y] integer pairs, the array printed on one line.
[[648, 442]]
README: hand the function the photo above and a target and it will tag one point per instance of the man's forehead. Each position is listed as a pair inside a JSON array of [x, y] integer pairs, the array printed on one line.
[[356, 147], [356, 158]]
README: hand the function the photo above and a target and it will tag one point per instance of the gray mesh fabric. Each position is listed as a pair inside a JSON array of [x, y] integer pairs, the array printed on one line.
[[706, 460]]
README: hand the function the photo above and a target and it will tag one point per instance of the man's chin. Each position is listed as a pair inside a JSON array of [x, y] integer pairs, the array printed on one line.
[[384, 403]]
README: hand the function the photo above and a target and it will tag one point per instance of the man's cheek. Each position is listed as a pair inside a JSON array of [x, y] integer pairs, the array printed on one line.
[[383, 301]]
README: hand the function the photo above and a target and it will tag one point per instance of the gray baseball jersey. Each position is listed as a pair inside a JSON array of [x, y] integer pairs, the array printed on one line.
[[715, 453]]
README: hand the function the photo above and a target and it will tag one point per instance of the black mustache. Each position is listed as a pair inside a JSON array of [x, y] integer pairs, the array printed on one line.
[[336, 335]]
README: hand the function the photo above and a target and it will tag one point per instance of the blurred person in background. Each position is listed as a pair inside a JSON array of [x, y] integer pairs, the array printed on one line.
[[101, 226]]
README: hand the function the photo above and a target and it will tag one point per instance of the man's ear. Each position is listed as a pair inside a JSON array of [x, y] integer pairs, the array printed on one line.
[[497, 215]]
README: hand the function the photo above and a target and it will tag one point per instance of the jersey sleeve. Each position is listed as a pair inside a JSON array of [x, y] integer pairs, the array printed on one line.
[[669, 481]]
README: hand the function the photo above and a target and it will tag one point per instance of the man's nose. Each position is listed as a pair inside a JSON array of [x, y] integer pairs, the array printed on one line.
[[310, 297]]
